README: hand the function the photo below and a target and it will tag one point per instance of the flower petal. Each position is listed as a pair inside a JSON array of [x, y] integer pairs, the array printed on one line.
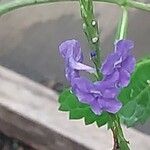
[[81, 87], [83, 97], [71, 74], [111, 105], [123, 47], [124, 78], [96, 107], [71, 48], [129, 64], [110, 93], [71, 52], [112, 79], [79, 66], [108, 65], [83, 84]]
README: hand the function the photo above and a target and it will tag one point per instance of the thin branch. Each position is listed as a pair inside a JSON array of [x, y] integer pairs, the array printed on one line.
[[138, 5], [124, 24], [15, 4], [116, 143]]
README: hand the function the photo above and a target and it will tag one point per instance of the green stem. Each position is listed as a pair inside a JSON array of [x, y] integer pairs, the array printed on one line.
[[124, 24], [138, 5], [15, 4], [90, 27], [120, 143]]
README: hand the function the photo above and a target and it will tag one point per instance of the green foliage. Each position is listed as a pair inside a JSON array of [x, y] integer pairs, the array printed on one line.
[[136, 97], [124, 145], [77, 110]]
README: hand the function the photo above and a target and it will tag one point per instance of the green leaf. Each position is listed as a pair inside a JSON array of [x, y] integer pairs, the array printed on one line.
[[136, 97], [103, 119], [77, 113], [124, 146], [64, 99], [111, 121], [77, 110], [63, 96], [89, 117]]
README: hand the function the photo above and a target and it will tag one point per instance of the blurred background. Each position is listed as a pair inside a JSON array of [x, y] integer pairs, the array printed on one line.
[[29, 38]]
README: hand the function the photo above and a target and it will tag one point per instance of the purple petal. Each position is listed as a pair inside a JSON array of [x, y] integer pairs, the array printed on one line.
[[129, 64], [107, 89], [71, 48], [81, 88], [112, 79], [108, 65], [83, 84], [111, 105], [123, 47], [83, 96], [124, 78], [71, 73], [66, 48], [110, 93], [79, 66], [96, 108], [71, 52]]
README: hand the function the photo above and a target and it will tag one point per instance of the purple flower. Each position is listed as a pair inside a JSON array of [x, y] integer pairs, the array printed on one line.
[[73, 57], [120, 63], [101, 96], [116, 69]]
